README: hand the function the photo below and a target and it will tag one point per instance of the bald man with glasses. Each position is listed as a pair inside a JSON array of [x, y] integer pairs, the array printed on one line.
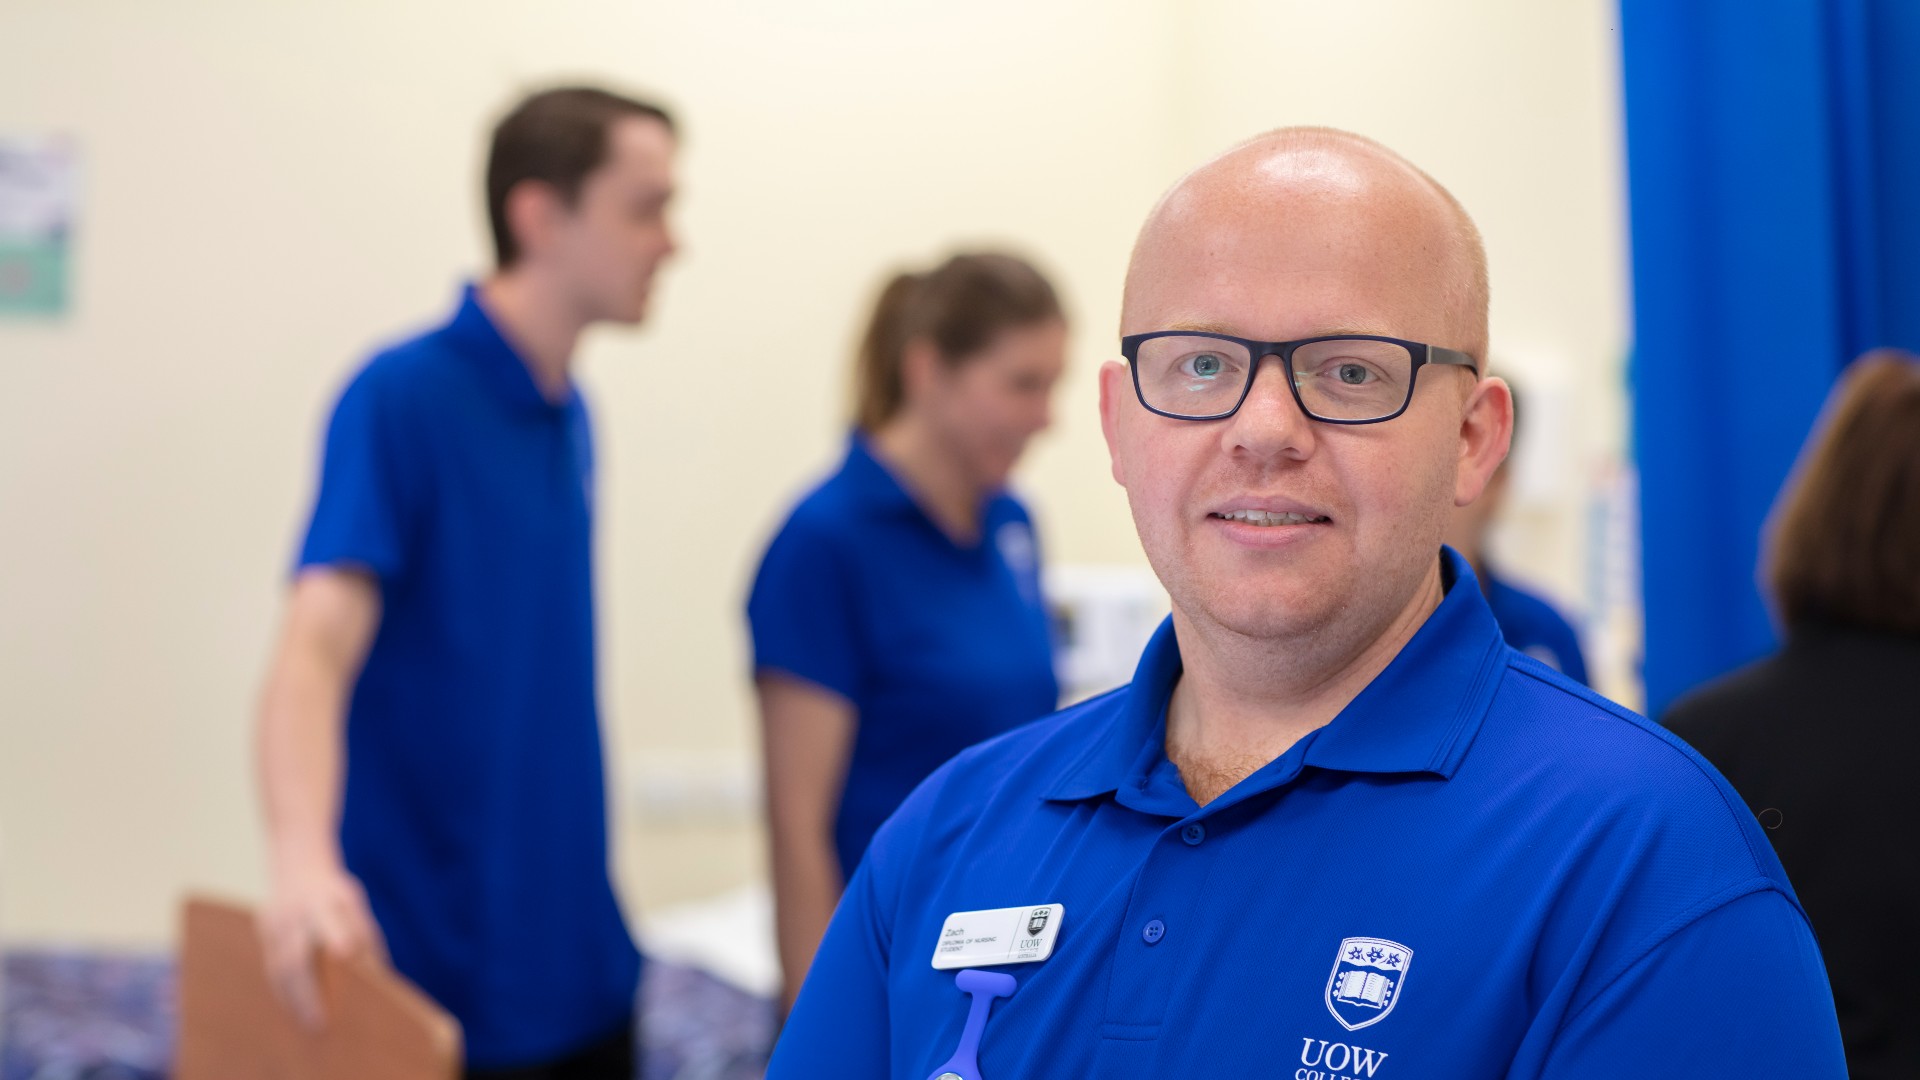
[[1335, 827]]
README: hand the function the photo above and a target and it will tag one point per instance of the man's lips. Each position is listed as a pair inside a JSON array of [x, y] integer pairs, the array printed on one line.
[[1271, 518]]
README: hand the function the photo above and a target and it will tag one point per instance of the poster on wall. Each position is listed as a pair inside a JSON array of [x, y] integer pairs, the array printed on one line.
[[39, 196]]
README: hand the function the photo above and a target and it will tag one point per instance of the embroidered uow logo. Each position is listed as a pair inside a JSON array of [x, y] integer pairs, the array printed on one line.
[[1365, 985]]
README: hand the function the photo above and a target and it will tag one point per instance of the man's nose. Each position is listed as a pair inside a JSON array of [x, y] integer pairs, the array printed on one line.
[[1270, 422]]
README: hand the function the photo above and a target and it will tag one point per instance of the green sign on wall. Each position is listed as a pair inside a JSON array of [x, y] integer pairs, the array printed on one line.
[[39, 193]]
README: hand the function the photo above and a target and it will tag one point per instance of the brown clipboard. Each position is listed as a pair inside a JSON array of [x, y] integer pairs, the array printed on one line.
[[232, 1027]]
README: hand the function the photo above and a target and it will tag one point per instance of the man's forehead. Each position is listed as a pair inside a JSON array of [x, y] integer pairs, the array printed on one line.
[[1321, 222], [1255, 181], [1227, 275], [1302, 217], [1236, 329], [639, 139], [640, 150]]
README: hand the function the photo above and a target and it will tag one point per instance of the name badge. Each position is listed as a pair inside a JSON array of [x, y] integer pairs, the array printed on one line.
[[1012, 935]]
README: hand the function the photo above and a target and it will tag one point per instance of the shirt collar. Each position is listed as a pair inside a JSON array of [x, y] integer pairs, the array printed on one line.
[[875, 483], [879, 488], [1417, 716], [505, 371]]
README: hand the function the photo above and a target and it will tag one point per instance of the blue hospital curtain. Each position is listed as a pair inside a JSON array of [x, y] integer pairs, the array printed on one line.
[[1773, 174]]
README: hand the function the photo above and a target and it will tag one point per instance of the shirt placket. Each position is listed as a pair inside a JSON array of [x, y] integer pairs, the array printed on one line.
[[1162, 934], [1158, 940]]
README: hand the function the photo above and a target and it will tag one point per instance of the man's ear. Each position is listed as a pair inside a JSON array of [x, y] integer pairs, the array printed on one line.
[[533, 210], [1116, 393], [1486, 433]]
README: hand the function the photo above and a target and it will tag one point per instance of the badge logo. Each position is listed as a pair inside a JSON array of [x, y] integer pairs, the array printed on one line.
[[1037, 921], [1022, 556], [1368, 974]]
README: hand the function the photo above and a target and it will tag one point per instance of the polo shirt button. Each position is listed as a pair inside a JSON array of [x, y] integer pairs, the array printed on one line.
[[1194, 834], [1153, 932]]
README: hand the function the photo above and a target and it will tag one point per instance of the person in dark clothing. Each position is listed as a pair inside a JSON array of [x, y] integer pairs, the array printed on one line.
[[1818, 737]]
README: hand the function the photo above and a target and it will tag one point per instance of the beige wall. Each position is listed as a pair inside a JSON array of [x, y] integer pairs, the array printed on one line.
[[271, 190]]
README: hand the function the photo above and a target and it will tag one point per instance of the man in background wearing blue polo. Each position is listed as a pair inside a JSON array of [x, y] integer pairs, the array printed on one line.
[[1529, 622], [429, 738], [1335, 827]]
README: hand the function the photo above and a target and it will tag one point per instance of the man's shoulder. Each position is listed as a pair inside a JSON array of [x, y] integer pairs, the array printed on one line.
[[408, 365], [1612, 770], [1584, 733], [1632, 834]]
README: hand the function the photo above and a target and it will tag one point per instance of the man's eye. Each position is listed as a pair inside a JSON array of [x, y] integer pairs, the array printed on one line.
[[1353, 374], [1205, 365]]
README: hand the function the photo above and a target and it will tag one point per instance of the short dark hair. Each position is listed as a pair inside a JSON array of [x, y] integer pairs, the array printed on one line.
[[959, 306], [556, 137], [1846, 540]]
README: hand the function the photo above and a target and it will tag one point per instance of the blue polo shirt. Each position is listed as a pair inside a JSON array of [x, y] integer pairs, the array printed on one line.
[[1478, 869], [1531, 625], [936, 645], [475, 812]]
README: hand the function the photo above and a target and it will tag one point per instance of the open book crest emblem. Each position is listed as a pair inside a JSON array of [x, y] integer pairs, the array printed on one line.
[[1368, 974]]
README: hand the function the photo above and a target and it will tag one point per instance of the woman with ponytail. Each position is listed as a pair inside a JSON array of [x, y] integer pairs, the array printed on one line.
[[897, 616]]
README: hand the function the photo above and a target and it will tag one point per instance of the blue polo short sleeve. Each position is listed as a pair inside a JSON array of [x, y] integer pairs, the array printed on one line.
[[802, 609], [369, 480], [1758, 942], [1478, 869]]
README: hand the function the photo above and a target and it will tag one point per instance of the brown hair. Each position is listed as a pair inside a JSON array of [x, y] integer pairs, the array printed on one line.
[[958, 306], [556, 137], [1845, 543]]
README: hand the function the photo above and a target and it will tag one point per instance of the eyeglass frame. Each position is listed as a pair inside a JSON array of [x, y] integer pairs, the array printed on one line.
[[1422, 353]]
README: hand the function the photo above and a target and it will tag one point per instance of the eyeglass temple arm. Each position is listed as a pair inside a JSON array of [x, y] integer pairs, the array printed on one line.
[[1438, 355]]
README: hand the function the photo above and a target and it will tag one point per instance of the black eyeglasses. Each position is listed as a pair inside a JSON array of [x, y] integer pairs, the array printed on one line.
[[1338, 379]]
